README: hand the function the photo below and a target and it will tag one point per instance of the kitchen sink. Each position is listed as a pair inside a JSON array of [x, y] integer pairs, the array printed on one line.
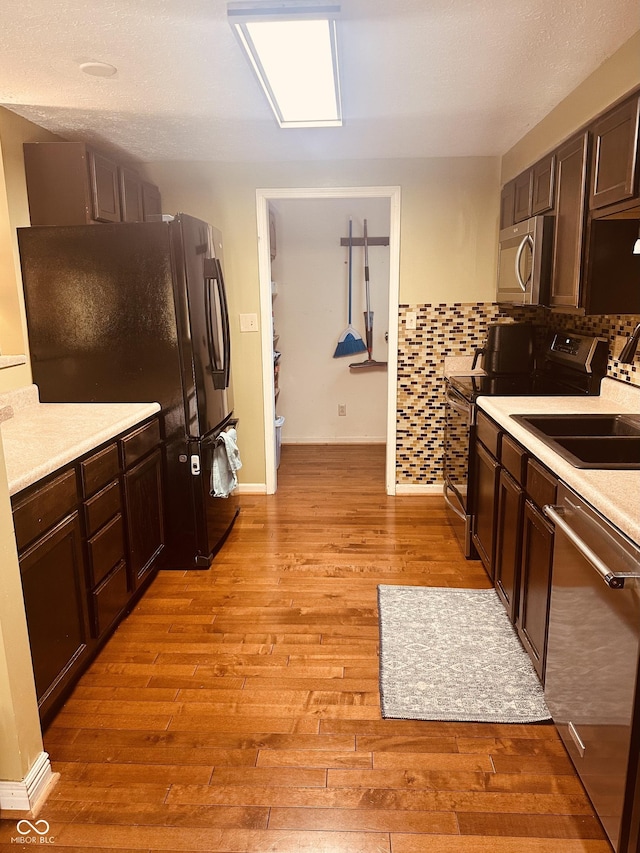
[[589, 441]]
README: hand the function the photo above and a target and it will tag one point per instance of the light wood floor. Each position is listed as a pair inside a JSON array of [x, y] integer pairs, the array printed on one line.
[[237, 709]]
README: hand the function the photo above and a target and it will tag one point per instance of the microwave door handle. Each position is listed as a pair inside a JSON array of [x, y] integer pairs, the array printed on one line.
[[526, 241]]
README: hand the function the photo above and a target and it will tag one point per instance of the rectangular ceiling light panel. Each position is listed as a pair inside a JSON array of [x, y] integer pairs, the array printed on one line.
[[293, 51]]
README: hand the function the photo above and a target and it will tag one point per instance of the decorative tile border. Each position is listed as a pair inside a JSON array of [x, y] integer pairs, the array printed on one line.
[[458, 329]]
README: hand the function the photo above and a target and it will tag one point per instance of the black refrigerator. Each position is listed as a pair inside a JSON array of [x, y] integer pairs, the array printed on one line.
[[137, 312]]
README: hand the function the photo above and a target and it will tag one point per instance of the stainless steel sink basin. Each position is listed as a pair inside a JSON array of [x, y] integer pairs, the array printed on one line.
[[575, 425], [589, 441]]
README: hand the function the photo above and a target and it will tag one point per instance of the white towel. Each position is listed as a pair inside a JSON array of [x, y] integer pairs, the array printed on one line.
[[226, 461]]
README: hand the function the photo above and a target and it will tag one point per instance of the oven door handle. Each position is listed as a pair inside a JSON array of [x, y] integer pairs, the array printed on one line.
[[453, 400], [452, 506]]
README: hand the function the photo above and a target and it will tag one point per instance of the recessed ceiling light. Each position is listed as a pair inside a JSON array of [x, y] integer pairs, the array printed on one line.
[[98, 69]]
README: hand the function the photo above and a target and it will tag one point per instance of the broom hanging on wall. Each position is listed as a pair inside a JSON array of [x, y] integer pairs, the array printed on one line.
[[350, 340]]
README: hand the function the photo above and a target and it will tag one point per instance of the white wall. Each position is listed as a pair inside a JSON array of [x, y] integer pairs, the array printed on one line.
[[311, 312]]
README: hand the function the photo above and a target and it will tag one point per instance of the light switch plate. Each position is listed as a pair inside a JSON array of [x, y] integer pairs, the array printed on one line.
[[248, 322], [411, 320]]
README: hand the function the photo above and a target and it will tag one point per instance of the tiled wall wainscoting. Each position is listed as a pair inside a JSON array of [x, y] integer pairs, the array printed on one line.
[[458, 330]]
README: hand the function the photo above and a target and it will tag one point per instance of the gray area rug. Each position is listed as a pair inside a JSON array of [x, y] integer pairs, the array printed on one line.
[[452, 654]]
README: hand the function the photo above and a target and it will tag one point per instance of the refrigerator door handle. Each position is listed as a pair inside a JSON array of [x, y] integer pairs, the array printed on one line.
[[211, 273], [226, 332]]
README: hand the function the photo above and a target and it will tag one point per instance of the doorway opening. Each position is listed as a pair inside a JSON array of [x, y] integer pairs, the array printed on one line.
[[389, 197]]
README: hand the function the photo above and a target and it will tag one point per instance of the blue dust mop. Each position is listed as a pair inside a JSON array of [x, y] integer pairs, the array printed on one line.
[[350, 340]]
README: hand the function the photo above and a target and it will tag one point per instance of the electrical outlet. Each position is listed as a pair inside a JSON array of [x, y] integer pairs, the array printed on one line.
[[412, 320], [248, 322], [342, 410]]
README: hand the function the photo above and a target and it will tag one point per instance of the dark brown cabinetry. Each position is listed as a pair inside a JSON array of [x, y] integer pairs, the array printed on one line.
[[69, 183], [49, 539], [570, 211], [85, 553], [513, 539], [614, 162], [508, 533], [104, 526], [543, 176], [487, 475], [507, 205], [523, 193], [591, 183]]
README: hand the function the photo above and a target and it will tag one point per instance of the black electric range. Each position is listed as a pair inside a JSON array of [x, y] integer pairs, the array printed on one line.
[[571, 364]]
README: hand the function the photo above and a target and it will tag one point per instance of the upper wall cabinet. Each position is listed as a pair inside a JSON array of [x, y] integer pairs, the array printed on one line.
[[614, 160], [507, 205], [531, 193], [569, 223], [68, 183], [591, 185]]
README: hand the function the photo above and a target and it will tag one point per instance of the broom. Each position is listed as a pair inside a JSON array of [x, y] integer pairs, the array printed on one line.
[[350, 341]]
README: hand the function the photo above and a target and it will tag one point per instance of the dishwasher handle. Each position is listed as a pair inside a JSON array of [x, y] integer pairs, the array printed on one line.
[[614, 580]]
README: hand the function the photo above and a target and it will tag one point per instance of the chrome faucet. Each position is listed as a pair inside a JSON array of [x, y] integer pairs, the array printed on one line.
[[629, 349]]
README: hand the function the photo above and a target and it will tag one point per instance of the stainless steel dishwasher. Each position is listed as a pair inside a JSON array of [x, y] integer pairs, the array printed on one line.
[[593, 648]]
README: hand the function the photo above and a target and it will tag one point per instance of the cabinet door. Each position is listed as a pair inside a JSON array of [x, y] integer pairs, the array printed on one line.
[[535, 585], [151, 200], [145, 518], [105, 190], [507, 202], [615, 155], [543, 176], [508, 542], [571, 171], [484, 520], [130, 195], [523, 186], [56, 605]]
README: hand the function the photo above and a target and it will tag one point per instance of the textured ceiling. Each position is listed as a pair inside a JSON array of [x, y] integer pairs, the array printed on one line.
[[419, 77]]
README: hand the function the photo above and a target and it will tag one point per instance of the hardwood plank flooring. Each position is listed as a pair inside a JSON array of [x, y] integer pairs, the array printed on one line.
[[236, 710]]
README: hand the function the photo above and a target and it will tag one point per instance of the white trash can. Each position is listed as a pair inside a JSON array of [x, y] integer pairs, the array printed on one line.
[[279, 423]]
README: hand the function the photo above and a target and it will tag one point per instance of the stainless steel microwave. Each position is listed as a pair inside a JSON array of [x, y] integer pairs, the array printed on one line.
[[525, 252]]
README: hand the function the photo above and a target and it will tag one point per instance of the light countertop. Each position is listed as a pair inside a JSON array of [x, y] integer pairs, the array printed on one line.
[[38, 438], [615, 494]]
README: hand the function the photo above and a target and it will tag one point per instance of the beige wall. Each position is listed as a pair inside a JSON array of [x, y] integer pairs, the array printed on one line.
[[447, 252], [14, 213], [20, 737], [614, 78]]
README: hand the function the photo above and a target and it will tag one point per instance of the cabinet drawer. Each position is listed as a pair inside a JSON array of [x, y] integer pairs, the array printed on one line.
[[102, 506], [514, 458], [137, 444], [34, 515], [99, 470], [541, 484], [106, 548], [489, 433], [110, 599]]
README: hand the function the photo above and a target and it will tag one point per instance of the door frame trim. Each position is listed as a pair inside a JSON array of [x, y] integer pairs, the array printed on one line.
[[263, 196]]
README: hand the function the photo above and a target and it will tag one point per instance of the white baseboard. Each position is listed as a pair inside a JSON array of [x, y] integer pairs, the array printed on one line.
[[252, 488], [336, 439], [419, 489], [23, 796]]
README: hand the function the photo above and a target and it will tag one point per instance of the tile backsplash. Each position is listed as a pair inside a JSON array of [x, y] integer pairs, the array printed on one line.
[[458, 329]]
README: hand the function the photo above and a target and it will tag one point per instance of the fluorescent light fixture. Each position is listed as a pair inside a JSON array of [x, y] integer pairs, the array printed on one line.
[[292, 48]]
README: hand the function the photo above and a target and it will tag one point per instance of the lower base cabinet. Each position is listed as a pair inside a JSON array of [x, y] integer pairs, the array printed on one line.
[[535, 586], [55, 598], [513, 538], [509, 542], [88, 541]]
